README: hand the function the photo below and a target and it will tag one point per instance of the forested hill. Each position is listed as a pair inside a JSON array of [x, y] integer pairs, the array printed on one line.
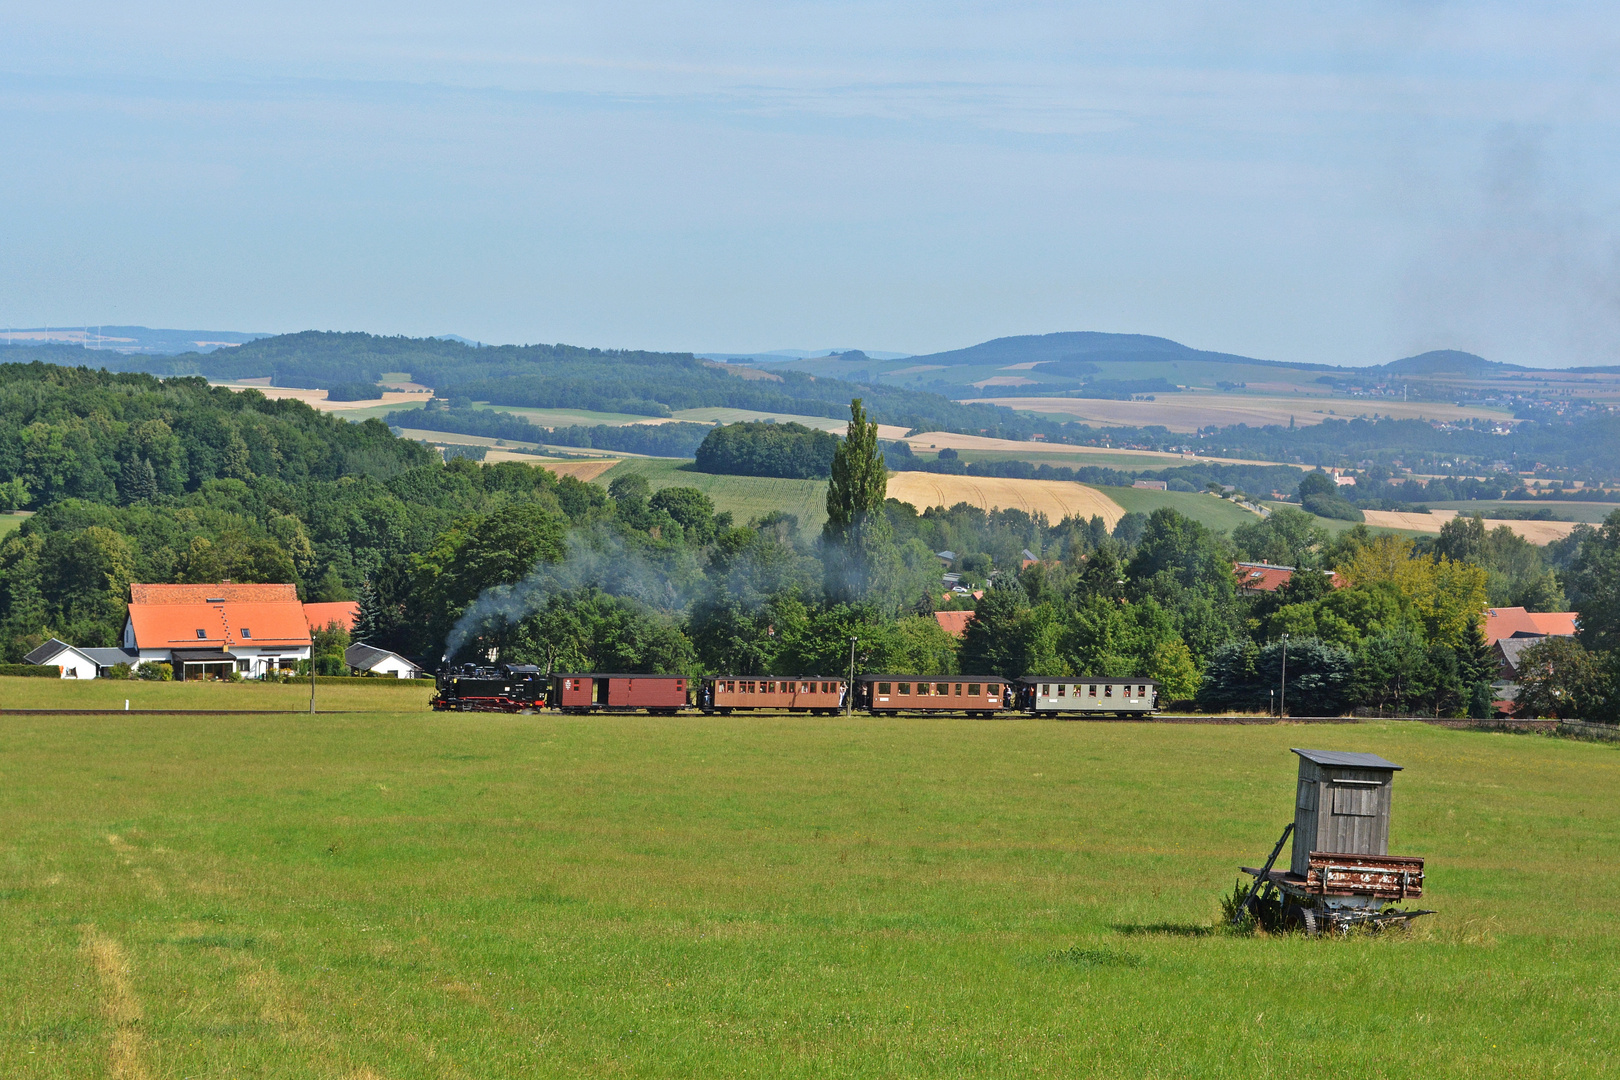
[[572, 377], [1090, 345]]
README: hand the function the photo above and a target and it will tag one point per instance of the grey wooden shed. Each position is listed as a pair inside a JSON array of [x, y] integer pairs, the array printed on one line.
[[1342, 805]]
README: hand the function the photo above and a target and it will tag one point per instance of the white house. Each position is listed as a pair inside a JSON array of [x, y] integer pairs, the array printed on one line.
[[363, 657], [216, 629]]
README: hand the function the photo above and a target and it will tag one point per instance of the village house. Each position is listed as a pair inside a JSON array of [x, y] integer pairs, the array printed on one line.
[[221, 628]]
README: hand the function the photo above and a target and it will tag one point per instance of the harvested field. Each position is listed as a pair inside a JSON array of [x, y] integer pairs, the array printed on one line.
[[1189, 412], [719, 415], [579, 470], [1139, 459], [1057, 499], [1537, 532], [392, 399]]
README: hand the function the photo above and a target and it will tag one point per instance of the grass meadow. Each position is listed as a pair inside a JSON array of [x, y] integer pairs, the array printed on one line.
[[747, 497], [402, 894]]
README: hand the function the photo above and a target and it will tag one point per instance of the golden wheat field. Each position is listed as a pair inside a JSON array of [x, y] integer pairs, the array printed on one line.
[[1189, 412], [1057, 499], [1537, 532]]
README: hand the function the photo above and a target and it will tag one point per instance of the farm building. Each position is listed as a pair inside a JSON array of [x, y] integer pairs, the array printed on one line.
[[77, 663], [368, 658]]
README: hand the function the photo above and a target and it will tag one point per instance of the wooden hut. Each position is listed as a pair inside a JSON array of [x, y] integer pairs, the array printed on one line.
[[1342, 805]]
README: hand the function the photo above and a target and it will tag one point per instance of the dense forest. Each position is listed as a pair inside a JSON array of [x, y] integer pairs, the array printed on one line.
[[761, 448], [565, 376]]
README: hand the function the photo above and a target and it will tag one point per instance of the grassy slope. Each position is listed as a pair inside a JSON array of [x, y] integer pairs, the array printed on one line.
[[8, 522], [745, 496], [1218, 514], [415, 895]]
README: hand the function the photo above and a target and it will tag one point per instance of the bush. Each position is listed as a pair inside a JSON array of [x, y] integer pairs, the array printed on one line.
[[32, 671], [155, 672], [354, 391], [120, 671], [1331, 506]]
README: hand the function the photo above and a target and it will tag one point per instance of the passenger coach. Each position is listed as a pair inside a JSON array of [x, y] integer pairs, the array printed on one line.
[[1084, 694], [976, 695], [817, 694]]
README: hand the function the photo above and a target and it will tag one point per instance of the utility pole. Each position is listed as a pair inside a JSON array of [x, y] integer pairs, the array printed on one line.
[[1282, 701], [849, 694]]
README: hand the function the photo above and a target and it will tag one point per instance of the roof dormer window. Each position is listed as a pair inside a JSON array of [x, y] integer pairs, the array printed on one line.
[[246, 633], [202, 633]]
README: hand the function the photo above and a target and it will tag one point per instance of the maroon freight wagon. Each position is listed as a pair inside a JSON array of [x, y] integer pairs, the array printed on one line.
[[817, 694], [976, 695], [579, 693]]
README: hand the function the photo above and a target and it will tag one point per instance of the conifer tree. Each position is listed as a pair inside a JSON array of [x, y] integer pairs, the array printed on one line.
[[861, 561]]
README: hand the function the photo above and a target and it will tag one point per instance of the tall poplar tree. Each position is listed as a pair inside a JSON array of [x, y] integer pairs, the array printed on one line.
[[861, 561]]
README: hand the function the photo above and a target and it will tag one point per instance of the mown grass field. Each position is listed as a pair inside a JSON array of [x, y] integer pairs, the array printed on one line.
[[747, 497], [9, 522], [405, 895], [1219, 514]]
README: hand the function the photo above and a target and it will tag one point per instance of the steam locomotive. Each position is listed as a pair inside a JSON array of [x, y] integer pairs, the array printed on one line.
[[524, 688]]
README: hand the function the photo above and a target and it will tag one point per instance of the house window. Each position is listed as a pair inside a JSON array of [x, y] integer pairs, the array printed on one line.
[[202, 633], [246, 633]]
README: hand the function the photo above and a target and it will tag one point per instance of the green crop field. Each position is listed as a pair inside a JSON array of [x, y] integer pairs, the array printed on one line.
[[746, 497], [1070, 459], [411, 895], [1220, 514]]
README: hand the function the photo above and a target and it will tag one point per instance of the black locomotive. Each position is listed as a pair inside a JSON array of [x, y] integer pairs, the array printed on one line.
[[502, 688]]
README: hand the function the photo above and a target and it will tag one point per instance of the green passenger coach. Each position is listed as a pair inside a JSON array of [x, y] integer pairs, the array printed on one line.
[[1086, 694]]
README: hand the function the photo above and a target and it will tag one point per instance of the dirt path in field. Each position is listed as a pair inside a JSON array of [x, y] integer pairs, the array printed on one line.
[[119, 1004], [1057, 499], [1537, 532]]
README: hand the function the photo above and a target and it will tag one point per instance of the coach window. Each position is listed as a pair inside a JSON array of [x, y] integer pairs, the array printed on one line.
[[1108, 691], [922, 689], [943, 689], [973, 689], [1044, 689], [905, 688], [1062, 690], [1091, 691], [883, 688]]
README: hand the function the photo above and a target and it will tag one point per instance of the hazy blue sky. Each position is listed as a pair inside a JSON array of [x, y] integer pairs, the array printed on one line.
[[1341, 182]]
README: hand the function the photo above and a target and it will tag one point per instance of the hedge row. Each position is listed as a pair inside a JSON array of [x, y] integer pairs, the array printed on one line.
[[32, 671]]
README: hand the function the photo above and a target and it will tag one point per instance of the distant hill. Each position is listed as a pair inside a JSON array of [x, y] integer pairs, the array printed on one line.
[[129, 340], [1092, 346], [1448, 362]]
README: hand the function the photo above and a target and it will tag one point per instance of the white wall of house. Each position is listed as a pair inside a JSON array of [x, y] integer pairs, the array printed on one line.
[[396, 666], [74, 664]]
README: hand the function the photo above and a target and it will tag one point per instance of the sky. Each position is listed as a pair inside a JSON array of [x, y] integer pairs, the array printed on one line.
[[1342, 183]]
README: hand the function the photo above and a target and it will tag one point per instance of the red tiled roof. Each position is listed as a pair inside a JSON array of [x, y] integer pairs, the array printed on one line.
[[342, 612], [200, 594], [954, 622], [175, 624], [1262, 577], [1504, 622]]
